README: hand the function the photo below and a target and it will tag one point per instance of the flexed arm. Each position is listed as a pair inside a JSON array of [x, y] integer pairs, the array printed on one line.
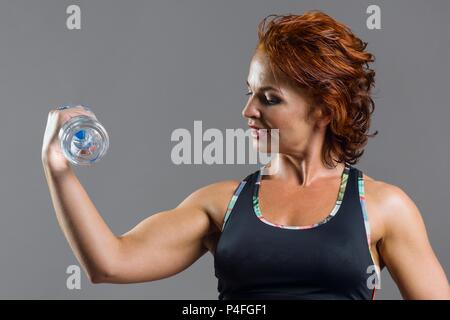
[[160, 246]]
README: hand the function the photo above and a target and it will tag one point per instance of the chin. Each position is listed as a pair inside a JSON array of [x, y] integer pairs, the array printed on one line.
[[261, 145]]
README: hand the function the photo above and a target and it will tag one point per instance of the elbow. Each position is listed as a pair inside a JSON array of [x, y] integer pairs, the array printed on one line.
[[96, 278], [104, 275], [106, 270]]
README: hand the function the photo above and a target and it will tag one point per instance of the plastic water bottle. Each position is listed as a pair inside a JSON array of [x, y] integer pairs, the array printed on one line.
[[84, 140]]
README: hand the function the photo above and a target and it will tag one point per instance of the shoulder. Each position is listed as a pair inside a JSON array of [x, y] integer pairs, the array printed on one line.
[[214, 199], [387, 195], [389, 206], [385, 192]]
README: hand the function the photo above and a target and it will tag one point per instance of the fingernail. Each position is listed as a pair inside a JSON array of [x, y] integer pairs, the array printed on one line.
[[88, 109]]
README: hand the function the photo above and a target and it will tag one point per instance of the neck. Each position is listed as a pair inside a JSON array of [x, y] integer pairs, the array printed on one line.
[[300, 169]]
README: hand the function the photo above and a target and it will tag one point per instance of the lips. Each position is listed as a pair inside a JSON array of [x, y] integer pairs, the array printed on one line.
[[256, 132]]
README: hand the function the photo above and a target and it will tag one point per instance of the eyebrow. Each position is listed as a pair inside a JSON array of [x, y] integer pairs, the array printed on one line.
[[265, 88]]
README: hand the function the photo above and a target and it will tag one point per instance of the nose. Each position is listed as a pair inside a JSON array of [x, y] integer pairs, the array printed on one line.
[[251, 110]]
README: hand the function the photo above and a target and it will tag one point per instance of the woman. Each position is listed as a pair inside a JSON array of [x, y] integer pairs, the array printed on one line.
[[314, 227]]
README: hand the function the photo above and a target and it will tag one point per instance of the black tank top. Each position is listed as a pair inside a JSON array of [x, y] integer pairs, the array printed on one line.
[[257, 259]]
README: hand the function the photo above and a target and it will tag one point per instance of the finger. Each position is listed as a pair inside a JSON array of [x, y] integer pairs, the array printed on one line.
[[85, 110], [63, 108]]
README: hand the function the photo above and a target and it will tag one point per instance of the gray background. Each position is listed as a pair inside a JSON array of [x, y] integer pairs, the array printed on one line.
[[149, 67]]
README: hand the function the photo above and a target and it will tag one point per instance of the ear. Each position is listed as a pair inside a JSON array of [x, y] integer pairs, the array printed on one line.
[[322, 116]]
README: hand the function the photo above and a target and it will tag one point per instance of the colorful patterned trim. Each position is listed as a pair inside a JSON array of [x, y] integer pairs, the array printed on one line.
[[233, 201], [362, 200], [257, 210]]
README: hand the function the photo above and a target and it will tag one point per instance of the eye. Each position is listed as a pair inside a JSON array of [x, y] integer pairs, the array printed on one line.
[[265, 100], [270, 102]]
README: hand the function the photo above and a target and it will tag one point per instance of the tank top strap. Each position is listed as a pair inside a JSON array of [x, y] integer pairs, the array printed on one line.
[[246, 182], [367, 227], [358, 199]]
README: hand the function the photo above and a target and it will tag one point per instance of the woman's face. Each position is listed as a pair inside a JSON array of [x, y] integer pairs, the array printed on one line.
[[282, 106]]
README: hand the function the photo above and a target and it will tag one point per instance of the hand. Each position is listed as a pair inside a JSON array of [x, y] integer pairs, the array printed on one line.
[[52, 154]]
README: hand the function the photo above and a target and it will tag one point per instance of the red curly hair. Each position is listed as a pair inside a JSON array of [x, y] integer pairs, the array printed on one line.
[[323, 56]]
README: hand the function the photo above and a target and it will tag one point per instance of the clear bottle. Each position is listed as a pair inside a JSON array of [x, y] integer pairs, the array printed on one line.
[[84, 140]]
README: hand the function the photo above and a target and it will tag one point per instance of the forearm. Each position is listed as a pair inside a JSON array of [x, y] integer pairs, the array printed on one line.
[[91, 240]]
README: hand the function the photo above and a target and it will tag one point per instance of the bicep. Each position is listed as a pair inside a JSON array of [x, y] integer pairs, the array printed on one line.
[[407, 252], [163, 244]]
